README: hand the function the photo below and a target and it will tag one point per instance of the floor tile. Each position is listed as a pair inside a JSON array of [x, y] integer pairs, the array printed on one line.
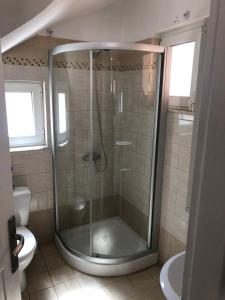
[[54, 261], [77, 273], [39, 282], [48, 294], [90, 283], [48, 250], [61, 274], [37, 253], [154, 272], [50, 278], [122, 289], [25, 293], [142, 281], [111, 279], [37, 266], [69, 290], [153, 294], [156, 294], [37, 261], [102, 293]]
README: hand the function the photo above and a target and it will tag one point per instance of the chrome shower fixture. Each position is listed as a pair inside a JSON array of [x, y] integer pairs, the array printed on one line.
[[95, 156]]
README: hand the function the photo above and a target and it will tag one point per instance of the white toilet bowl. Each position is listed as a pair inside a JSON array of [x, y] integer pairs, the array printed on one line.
[[26, 254], [21, 201]]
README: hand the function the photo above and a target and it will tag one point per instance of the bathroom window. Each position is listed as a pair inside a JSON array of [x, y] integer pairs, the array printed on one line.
[[62, 120], [25, 113], [183, 60], [181, 69]]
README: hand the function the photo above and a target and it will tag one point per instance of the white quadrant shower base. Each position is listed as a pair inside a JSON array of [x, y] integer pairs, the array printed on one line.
[[113, 243], [112, 238]]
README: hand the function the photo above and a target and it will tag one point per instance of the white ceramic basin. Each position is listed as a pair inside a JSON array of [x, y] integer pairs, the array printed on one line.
[[171, 277]]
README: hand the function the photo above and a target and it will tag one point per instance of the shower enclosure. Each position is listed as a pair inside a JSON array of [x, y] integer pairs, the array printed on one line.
[[105, 107]]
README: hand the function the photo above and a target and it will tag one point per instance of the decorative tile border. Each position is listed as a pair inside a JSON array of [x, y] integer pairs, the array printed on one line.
[[24, 61], [41, 62]]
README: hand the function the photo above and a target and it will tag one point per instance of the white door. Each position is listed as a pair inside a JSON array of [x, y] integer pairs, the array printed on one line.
[[9, 282]]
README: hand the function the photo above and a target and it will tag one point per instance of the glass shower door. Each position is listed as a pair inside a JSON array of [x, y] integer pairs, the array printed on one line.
[[124, 95], [71, 94]]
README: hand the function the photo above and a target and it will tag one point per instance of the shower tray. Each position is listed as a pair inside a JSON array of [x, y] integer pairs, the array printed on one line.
[[112, 238]]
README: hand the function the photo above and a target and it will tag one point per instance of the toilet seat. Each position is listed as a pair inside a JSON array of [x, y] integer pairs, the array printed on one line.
[[26, 254]]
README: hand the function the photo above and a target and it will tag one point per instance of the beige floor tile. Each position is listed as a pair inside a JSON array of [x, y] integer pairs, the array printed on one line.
[[153, 294], [37, 266], [156, 294], [77, 273], [37, 261], [25, 297], [156, 278], [54, 261], [142, 281], [48, 250], [69, 290], [37, 253], [154, 272], [25, 293], [90, 283], [122, 289], [102, 293], [48, 294], [61, 274], [110, 279], [39, 282]]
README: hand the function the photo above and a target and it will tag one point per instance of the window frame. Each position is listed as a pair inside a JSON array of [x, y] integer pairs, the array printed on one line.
[[36, 88], [182, 36]]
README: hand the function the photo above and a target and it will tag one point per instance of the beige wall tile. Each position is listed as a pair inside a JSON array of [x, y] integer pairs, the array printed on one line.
[[41, 182], [174, 218], [24, 164], [41, 223]]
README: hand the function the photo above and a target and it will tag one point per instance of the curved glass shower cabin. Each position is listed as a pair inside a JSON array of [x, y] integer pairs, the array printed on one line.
[[105, 114]]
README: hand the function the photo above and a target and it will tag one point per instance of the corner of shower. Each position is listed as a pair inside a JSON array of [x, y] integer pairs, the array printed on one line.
[[106, 109]]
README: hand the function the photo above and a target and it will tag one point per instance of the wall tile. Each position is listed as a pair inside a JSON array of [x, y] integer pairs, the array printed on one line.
[[41, 182], [174, 219], [28, 164]]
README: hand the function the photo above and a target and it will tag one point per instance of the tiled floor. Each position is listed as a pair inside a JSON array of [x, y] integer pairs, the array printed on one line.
[[50, 278]]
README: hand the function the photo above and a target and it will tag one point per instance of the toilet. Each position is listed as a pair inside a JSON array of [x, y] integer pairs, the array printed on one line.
[[21, 202]]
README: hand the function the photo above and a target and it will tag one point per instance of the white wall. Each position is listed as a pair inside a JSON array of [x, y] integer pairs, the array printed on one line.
[[147, 18], [132, 20], [15, 13], [104, 25]]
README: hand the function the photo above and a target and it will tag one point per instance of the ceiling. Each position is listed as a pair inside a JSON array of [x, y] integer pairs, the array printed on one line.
[[22, 19], [79, 8]]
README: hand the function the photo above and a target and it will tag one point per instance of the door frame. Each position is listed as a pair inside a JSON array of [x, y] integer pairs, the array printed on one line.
[[205, 258]]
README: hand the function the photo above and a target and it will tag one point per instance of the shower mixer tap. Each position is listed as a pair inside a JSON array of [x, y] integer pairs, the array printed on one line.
[[95, 156]]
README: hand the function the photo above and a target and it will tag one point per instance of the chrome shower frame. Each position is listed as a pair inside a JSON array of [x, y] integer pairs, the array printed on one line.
[[120, 266]]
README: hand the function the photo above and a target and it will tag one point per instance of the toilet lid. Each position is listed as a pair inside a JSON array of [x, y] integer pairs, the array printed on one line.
[[29, 242]]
